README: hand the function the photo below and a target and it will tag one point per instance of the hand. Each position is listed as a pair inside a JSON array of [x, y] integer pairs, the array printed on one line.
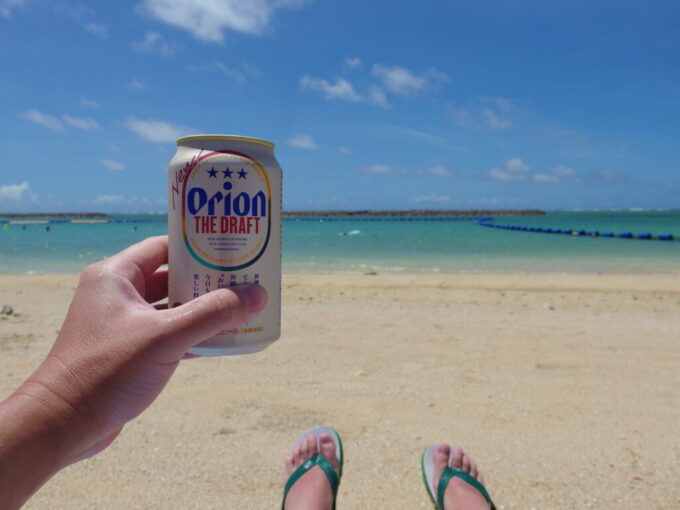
[[116, 352]]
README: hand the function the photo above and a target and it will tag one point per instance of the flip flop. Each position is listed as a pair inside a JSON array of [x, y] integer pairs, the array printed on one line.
[[437, 493], [318, 460]]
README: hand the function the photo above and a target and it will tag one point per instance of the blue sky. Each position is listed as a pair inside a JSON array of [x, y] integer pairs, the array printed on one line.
[[372, 105]]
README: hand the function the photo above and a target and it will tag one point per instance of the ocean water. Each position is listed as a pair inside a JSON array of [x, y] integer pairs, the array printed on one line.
[[386, 246]]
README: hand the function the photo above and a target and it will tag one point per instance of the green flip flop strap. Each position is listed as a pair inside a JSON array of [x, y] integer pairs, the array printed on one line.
[[324, 464], [451, 472]]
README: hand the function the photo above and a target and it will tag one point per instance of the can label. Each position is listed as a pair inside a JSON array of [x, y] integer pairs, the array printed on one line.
[[224, 229], [226, 211]]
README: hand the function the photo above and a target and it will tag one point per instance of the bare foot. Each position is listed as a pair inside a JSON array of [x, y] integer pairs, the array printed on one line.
[[312, 491], [459, 494]]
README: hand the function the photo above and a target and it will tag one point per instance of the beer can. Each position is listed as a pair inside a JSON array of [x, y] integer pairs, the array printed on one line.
[[224, 230]]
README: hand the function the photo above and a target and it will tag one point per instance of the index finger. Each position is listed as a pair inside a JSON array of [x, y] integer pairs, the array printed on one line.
[[142, 259]]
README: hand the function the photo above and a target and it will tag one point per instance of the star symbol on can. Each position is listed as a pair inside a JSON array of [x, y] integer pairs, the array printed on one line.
[[212, 172], [227, 173], [242, 174]]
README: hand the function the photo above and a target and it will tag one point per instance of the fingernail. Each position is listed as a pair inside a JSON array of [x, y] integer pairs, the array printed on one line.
[[254, 297]]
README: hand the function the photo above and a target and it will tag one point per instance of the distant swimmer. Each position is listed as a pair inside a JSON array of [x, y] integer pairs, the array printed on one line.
[[351, 233], [48, 229], [23, 227]]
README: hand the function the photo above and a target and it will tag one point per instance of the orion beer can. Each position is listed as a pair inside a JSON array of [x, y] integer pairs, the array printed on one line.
[[224, 229]]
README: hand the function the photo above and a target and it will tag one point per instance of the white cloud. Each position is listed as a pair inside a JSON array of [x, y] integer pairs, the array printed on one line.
[[98, 29], [423, 136], [208, 19], [136, 85], [500, 175], [81, 123], [42, 119], [574, 141], [459, 116], [6, 7], [153, 43], [88, 103], [157, 131], [399, 80], [341, 89], [438, 171], [377, 97], [403, 82], [303, 142], [493, 121], [376, 169], [516, 165], [391, 79], [433, 198], [109, 199], [545, 178], [112, 165], [502, 103], [344, 150], [17, 192], [564, 172], [558, 174], [234, 74], [353, 62], [487, 113], [609, 177], [514, 169]]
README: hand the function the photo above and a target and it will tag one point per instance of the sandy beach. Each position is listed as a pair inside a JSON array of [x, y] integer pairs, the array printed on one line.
[[564, 388]]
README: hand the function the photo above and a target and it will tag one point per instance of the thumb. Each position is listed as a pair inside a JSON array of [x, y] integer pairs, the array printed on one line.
[[191, 323]]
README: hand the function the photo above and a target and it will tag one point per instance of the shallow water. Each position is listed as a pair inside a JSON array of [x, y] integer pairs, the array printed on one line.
[[315, 246]]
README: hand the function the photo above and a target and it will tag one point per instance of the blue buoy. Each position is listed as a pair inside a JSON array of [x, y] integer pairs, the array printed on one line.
[[567, 231], [556, 231], [626, 235], [607, 234], [665, 237], [579, 232], [645, 235], [594, 233]]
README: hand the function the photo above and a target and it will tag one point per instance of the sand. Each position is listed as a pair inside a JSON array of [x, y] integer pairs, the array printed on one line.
[[564, 388]]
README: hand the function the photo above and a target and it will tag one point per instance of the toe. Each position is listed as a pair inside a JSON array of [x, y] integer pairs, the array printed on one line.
[[328, 449], [441, 456], [457, 458], [312, 445], [466, 464], [473, 469], [300, 452]]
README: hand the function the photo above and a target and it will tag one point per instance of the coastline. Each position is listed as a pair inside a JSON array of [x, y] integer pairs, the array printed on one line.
[[562, 387]]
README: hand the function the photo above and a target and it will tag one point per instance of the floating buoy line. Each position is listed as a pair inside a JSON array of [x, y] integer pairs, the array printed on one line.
[[646, 236]]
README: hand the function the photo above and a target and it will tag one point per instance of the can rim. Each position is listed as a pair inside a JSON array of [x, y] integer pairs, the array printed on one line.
[[235, 138]]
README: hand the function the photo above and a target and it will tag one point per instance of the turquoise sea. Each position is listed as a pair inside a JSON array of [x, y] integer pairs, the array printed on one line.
[[394, 246]]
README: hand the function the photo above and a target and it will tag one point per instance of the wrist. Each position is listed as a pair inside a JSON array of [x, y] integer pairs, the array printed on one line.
[[31, 451], [40, 434]]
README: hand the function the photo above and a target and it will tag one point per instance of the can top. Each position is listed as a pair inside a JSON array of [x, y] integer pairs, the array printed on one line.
[[234, 138]]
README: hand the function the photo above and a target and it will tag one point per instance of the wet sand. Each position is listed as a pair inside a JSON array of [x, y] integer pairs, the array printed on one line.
[[564, 388]]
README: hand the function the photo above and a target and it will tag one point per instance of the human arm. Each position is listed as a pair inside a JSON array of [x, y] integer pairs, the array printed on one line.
[[113, 356]]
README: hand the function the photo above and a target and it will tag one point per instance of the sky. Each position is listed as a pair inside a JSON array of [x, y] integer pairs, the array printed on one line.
[[449, 104]]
